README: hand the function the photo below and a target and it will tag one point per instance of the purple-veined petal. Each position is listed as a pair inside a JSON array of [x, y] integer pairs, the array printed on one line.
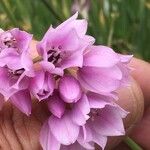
[[91, 137], [56, 105], [74, 59], [42, 49], [22, 100], [6, 83], [100, 56], [64, 130], [89, 39], [23, 39], [42, 85], [47, 140], [109, 122], [68, 21], [27, 64], [75, 146], [100, 80], [85, 137], [80, 111], [69, 88], [98, 101], [49, 67]]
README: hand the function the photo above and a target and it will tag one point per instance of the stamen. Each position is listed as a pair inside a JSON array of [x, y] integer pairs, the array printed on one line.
[[54, 56]]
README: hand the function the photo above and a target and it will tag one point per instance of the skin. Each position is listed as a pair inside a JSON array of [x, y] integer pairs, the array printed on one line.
[[17, 131]]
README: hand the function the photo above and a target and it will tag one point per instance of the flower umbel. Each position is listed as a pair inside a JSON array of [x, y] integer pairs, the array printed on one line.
[[76, 79]]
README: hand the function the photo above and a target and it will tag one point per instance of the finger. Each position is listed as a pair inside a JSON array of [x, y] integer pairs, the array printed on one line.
[[131, 99], [141, 132], [17, 131], [141, 74]]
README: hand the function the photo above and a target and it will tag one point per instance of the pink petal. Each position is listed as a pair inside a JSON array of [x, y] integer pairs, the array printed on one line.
[[47, 140], [91, 136], [6, 83], [22, 100], [125, 58], [69, 89], [98, 101], [79, 25], [68, 21], [100, 56], [42, 49], [64, 130], [42, 85], [89, 39], [75, 146], [74, 59], [49, 67], [86, 140], [80, 111], [10, 54], [109, 123], [56, 105], [68, 40], [23, 38], [100, 80], [27, 64]]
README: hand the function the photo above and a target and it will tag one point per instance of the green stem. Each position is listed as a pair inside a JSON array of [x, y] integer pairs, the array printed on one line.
[[132, 144]]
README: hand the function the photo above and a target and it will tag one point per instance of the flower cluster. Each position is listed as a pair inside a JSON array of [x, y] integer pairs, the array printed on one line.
[[77, 80]]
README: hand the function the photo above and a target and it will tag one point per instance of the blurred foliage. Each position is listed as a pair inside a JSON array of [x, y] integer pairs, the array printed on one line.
[[121, 24]]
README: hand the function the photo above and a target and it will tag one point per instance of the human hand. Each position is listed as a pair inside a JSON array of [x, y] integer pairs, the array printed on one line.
[[18, 131]]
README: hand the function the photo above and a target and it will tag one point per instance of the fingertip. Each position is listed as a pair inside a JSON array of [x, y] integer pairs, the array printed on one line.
[[141, 74]]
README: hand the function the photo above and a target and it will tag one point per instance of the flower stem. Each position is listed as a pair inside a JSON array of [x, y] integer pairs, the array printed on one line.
[[132, 144]]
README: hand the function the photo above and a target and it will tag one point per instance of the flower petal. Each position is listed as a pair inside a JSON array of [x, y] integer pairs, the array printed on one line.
[[100, 80], [80, 111], [47, 140], [23, 38], [100, 56], [68, 21], [49, 67], [56, 105], [75, 146], [74, 59], [109, 123], [64, 130], [69, 88], [42, 85], [98, 101], [22, 100]]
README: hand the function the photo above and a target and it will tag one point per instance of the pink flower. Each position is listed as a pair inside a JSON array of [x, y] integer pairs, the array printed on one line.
[[16, 67], [105, 120], [64, 124], [103, 71], [42, 85], [63, 47], [87, 77], [89, 121]]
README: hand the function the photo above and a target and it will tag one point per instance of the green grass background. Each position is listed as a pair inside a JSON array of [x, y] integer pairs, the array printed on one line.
[[121, 24]]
